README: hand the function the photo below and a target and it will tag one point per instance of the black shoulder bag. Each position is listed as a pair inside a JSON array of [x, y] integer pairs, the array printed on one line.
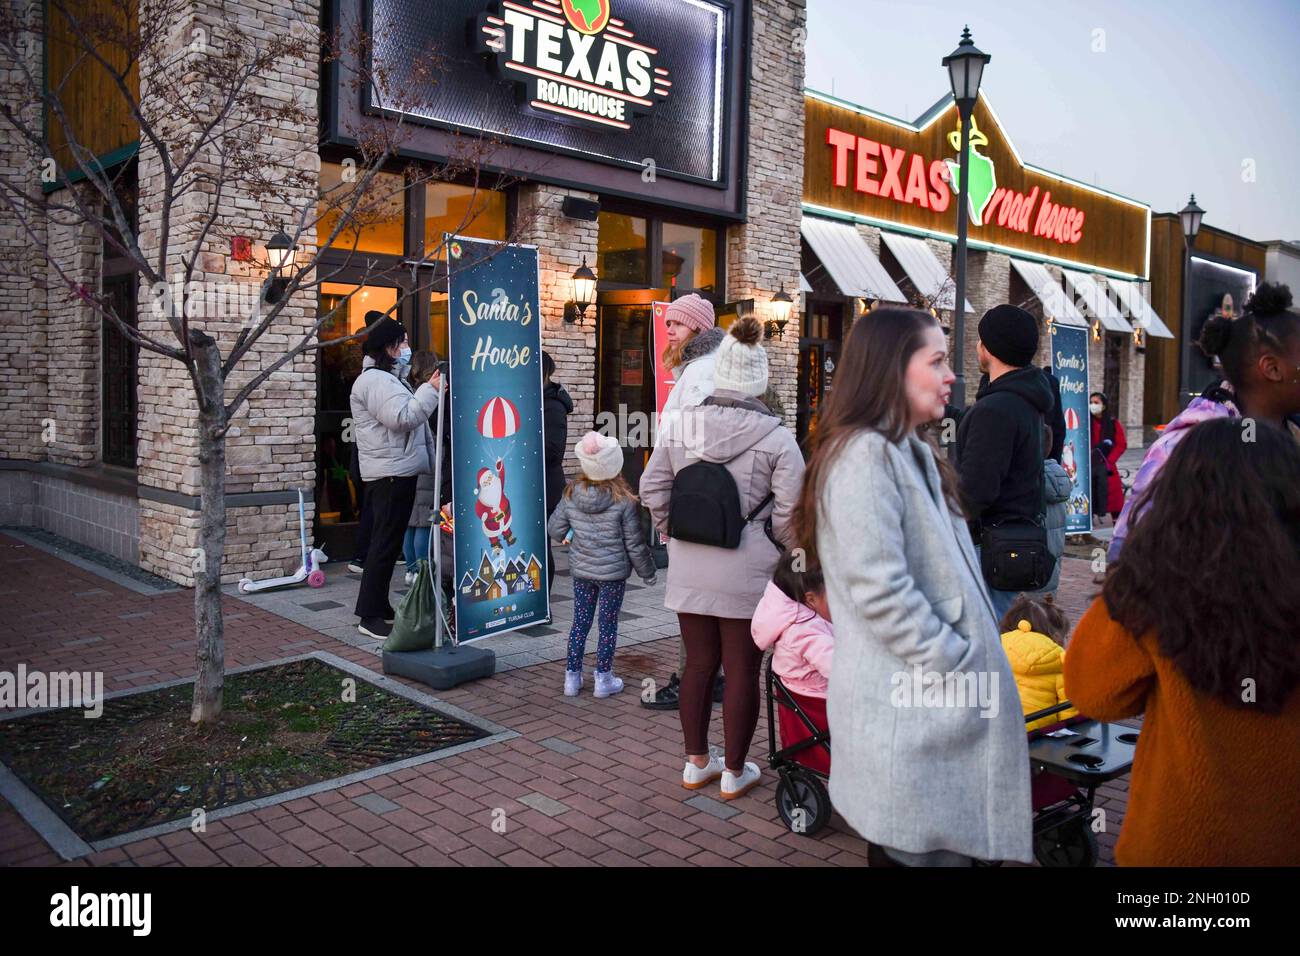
[[1013, 550]]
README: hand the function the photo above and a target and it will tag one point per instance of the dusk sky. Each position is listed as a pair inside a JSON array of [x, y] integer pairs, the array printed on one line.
[[1177, 98]]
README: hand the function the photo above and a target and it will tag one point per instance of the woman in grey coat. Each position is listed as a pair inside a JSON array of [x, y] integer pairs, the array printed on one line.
[[931, 761]]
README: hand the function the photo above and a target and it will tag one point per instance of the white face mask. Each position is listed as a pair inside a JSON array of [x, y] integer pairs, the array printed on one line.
[[1095, 408], [404, 356]]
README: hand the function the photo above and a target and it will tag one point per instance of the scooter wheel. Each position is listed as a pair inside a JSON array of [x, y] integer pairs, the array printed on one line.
[[317, 578]]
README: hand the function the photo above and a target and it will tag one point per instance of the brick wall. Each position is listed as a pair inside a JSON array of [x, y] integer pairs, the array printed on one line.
[[23, 356], [763, 252], [270, 445], [562, 245]]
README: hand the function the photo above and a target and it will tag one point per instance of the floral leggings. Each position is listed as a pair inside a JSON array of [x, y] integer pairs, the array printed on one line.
[[586, 595]]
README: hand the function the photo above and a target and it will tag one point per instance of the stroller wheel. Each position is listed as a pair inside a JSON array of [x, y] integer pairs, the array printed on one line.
[[1072, 844], [802, 802]]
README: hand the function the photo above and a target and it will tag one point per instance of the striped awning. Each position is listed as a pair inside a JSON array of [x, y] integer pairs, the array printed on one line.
[[922, 266], [849, 260], [1095, 301], [1138, 309], [1056, 304]]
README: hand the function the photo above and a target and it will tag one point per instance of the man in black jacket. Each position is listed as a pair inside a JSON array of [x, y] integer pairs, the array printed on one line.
[[556, 407], [1000, 438]]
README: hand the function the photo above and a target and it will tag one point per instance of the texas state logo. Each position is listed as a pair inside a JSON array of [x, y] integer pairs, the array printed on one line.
[[586, 16], [983, 176]]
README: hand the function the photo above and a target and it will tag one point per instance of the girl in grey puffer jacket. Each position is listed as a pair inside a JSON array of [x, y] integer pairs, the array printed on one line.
[[600, 518]]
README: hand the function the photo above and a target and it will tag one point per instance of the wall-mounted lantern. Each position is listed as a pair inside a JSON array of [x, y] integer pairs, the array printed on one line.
[[584, 293], [279, 254]]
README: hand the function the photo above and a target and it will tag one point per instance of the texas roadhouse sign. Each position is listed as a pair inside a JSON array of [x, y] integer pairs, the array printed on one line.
[[575, 59]]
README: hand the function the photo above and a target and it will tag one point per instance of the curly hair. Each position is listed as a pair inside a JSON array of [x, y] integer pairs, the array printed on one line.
[[1221, 612]]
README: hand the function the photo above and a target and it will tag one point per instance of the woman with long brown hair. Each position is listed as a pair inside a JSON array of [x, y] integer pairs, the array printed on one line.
[[1199, 633], [931, 763]]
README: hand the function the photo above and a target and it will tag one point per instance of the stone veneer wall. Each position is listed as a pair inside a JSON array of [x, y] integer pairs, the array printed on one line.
[[763, 252], [270, 446], [562, 245], [24, 359]]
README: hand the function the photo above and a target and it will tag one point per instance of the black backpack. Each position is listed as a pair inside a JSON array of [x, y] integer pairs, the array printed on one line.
[[704, 507]]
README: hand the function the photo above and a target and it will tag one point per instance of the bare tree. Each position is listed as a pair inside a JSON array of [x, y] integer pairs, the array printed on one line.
[[206, 121]]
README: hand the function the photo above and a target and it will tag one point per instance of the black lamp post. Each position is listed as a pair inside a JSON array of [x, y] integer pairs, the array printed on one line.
[[965, 69], [1191, 216]]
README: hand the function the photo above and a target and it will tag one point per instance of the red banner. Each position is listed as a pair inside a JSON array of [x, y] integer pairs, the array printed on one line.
[[658, 342]]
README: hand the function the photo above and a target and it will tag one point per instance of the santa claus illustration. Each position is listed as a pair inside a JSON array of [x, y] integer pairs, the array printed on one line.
[[493, 507]]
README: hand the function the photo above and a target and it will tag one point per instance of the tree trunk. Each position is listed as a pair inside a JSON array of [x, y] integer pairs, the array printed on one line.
[[209, 629]]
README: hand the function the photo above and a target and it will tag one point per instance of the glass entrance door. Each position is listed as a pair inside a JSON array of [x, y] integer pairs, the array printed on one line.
[[625, 394]]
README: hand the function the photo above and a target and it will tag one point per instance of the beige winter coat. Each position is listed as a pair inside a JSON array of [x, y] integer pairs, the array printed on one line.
[[762, 455]]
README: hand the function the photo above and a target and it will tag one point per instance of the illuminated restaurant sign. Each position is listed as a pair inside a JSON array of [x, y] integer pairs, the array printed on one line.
[[575, 59], [893, 173]]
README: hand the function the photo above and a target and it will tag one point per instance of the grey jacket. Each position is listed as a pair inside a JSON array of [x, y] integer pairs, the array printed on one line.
[[1058, 487], [607, 540], [906, 592], [391, 424], [762, 455]]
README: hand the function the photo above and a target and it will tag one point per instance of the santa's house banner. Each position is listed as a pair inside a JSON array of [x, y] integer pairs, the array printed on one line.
[[498, 473], [1070, 365]]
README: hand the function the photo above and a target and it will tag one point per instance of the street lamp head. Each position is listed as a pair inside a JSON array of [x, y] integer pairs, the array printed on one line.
[[965, 67], [1191, 215]]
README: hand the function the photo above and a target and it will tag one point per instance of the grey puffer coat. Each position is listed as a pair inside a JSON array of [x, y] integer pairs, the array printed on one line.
[[607, 540], [1057, 485]]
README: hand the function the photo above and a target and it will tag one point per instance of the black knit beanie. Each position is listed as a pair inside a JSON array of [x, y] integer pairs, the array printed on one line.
[[384, 332], [1010, 334]]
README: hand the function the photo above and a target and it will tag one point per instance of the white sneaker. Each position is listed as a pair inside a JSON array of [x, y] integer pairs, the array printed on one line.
[[737, 786], [411, 576], [693, 777], [607, 684], [572, 683]]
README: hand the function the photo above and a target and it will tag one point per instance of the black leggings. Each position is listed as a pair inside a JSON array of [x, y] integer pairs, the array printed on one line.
[[390, 501]]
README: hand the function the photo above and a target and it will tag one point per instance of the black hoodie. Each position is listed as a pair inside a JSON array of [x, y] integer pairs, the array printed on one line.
[[1000, 447], [556, 407]]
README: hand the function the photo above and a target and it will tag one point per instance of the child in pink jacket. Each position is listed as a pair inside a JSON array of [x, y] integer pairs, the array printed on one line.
[[794, 620]]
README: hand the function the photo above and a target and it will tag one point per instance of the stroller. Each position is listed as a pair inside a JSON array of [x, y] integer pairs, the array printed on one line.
[[1068, 760], [803, 764]]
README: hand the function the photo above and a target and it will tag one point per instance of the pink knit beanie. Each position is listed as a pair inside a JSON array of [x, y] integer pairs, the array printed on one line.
[[693, 312]]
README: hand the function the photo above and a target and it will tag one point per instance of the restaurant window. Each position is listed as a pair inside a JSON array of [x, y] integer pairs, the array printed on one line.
[[338, 367], [622, 251], [118, 380], [463, 210], [690, 257], [438, 338], [375, 225]]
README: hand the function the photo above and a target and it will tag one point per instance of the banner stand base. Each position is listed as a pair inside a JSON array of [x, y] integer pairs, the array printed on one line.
[[442, 668]]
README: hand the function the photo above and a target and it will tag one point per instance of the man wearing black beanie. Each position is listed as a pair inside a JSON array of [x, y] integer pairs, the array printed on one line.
[[1000, 439]]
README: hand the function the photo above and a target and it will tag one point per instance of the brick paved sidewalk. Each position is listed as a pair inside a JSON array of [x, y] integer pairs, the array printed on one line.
[[586, 782]]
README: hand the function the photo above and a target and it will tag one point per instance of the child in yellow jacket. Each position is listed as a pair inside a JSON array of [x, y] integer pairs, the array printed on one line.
[[1033, 638]]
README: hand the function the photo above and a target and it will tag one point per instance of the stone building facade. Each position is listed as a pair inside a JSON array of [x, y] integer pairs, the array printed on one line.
[[53, 469]]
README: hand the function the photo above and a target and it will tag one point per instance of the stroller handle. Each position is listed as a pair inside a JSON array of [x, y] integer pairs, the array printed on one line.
[[1047, 712]]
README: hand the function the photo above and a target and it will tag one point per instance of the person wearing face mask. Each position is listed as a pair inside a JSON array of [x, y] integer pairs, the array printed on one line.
[[1108, 443], [394, 447]]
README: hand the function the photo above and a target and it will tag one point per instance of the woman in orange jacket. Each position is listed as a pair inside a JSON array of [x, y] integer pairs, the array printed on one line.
[[1197, 630]]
